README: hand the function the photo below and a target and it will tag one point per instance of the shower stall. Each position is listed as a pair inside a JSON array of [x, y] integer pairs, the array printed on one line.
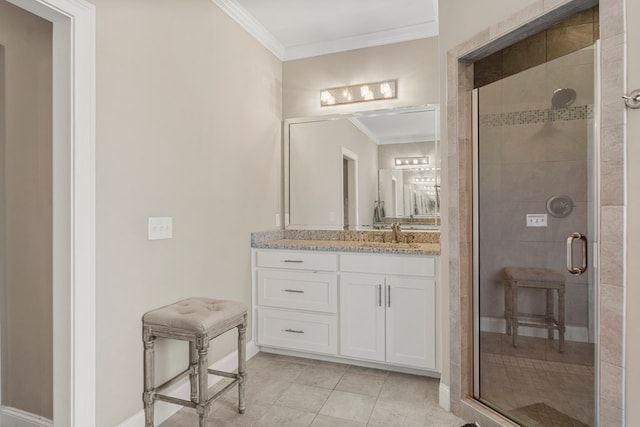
[[535, 199]]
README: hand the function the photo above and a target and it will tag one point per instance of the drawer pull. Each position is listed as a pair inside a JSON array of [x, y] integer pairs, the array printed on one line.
[[294, 331], [294, 261], [295, 291]]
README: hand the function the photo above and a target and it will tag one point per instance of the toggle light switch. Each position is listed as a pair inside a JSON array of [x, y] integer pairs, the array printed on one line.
[[160, 228]]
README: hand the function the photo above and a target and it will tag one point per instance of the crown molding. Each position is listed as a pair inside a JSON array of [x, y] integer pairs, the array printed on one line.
[[364, 129], [395, 35], [252, 26], [260, 33]]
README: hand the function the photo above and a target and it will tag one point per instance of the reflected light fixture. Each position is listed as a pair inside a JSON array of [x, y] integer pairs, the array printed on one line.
[[411, 161], [359, 93]]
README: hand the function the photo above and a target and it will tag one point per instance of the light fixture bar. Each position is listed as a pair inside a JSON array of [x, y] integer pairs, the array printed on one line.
[[359, 93], [411, 161]]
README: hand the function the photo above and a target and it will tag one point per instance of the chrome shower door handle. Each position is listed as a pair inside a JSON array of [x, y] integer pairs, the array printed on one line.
[[576, 271]]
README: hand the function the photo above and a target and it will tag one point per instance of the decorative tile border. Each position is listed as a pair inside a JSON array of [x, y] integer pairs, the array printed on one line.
[[580, 112]]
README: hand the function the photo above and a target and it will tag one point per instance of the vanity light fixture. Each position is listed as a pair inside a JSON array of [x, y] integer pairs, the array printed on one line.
[[425, 180], [358, 93], [411, 161]]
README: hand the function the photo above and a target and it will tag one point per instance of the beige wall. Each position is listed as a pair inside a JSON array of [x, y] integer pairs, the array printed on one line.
[[188, 126], [633, 225], [27, 370], [458, 21], [414, 64]]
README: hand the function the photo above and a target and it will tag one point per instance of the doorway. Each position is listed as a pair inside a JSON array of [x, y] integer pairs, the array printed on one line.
[[535, 215], [73, 208], [25, 212], [349, 189]]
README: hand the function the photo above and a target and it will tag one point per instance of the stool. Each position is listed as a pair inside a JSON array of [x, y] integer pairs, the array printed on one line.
[[197, 320], [536, 278]]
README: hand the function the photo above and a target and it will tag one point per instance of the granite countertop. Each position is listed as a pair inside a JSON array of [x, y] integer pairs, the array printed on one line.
[[418, 243]]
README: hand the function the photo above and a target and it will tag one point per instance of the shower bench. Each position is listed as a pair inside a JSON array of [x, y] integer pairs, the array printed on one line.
[[535, 278]]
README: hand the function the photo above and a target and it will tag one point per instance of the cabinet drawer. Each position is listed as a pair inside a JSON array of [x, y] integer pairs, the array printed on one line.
[[302, 290], [410, 265], [317, 333], [297, 260]]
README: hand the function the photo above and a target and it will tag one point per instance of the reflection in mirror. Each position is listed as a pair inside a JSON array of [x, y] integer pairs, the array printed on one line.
[[363, 170]]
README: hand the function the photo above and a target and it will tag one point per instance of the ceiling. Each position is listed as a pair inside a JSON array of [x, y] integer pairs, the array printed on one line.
[[399, 126], [295, 29]]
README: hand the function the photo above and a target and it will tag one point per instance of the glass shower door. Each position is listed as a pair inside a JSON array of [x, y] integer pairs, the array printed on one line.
[[534, 210]]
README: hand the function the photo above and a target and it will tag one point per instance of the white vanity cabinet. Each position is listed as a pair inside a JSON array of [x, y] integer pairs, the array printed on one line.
[[389, 316], [377, 308], [296, 295]]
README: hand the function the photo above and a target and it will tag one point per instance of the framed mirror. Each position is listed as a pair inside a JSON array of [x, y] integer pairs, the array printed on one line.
[[363, 170]]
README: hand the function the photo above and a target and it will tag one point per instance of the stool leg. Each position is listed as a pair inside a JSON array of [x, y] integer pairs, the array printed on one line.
[[242, 365], [149, 380], [507, 307], [193, 371], [549, 318], [561, 318], [514, 315], [203, 382]]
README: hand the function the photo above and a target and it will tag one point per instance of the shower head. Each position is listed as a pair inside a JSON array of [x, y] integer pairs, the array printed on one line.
[[563, 97]]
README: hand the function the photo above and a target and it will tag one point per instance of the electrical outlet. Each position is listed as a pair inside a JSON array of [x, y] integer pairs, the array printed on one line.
[[160, 228]]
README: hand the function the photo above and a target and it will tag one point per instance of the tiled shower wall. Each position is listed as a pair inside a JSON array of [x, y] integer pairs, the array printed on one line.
[[569, 35], [530, 152]]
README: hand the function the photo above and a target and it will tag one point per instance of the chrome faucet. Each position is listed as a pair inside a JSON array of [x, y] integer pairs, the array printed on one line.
[[397, 232]]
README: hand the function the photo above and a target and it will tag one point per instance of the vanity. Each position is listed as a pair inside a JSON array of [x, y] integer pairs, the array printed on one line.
[[353, 275], [366, 302]]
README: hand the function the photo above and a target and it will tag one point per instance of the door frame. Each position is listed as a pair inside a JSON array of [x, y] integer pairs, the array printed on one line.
[[73, 207], [612, 206], [592, 152]]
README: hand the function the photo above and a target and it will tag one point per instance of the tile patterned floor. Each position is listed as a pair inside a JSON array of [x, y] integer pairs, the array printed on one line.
[[537, 373], [284, 391]]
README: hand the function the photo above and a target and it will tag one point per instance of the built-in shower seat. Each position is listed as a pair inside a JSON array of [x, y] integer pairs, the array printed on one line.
[[545, 279]]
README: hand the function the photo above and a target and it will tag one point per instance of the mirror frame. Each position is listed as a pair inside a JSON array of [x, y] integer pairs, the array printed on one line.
[[286, 157]]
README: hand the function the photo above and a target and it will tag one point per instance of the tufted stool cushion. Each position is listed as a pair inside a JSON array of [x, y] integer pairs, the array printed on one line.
[[195, 314]]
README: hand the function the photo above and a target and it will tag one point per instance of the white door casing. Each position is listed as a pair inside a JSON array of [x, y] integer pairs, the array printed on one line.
[[73, 207]]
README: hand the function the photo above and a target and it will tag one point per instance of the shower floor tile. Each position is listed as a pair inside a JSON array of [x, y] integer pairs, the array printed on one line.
[[542, 382]]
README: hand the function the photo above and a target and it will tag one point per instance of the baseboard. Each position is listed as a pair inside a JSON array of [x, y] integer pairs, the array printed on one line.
[[163, 410], [443, 397], [498, 325], [11, 417]]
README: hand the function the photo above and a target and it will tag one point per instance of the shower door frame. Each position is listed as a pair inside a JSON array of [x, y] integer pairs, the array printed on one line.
[[610, 370], [593, 156]]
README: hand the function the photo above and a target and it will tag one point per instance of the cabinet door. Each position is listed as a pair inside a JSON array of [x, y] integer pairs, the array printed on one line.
[[411, 322], [362, 316]]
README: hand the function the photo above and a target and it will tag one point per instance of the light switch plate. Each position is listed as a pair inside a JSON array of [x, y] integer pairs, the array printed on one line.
[[536, 220], [160, 228]]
